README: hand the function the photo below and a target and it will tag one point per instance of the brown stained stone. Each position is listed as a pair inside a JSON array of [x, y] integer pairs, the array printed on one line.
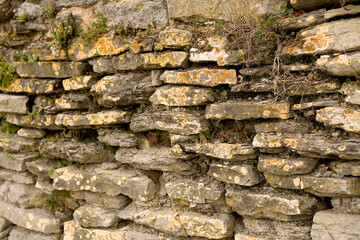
[[175, 38], [42, 122], [13, 104], [79, 83], [340, 117], [304, 21], [352, 92], [284, 126], [341, 65], [33, 86], [202, 77], [107, 117], [346, 168], [286, 165], [243, 110], [49, 69]]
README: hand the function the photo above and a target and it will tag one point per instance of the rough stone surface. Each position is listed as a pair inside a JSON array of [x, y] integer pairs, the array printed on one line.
[[304, 21], [203, 77], [240, 174], [242, 110], [101, 199], [116, 137], [352, 92], [175, 38], [18, 177], [91, 216], [103, 65], [346, 205], [73, 101], [310, 103], [78, 83], [31, 133], [284, 126], [76, 151], [33, 86], [217, 54], [32, 10], [19, 233], [124, 89], [49, 69], [13, 104], [5, 10], [42, 121], [170, 95], [341, 65], [177, 122], [344, 118], [12, 143], [112, 182], [310, 5], [266, 203], [346, 168], [4, 224], [329, 225]]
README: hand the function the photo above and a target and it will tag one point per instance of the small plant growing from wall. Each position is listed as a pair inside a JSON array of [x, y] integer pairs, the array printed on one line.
[[7, 74], [64, 32], [95, 30], [7, 127], [23, 17]]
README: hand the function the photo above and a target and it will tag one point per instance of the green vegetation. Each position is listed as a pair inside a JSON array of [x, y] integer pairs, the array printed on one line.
[[50, 10], [34, 114], [344, 86], [7, 74], [95, 30], [52, 204], [29, 59], [284, 10], [59, 164], [23, 17], [7, 127], [65, 32]]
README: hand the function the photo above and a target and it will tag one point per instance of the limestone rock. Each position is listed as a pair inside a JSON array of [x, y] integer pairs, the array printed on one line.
[[101, 199], [286, 165], [103, 65], [149, 61], [88, 234], [352, 92], [76, 151], [217, 54], [18, 177], [12, 143], [344, 118], [37, 220], [177, 122], [116, 137], [346, 205], [49, 69], [310, 103], [171, 95], [112, 182], [341, 65], [243, 110], [91, 216], [33, 86], [32, 10], [18, 233], [16, 161], [123, 89], [304, 21], [310, 5], [104, 118], [339, 12], [43, 50], [240, 174], [5, 10], [79, 83], [134, 14], [284, 126], [4, 224], [42, 121], [31, 133], [175, 38], [73, 101], [346, 168], [329, 225], [203, 77], [13, 104], [266, 203]]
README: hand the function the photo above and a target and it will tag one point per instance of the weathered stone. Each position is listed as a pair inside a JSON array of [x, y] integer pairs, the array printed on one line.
[[341, 65], [149, 61], [242, 110], [116, 137], [79, 83], [33, 219], [176, 121], [240, 174], [344, 11], [266, 203], [225, 151], [309, 145], [310, 103], [134, 14], [112, 182], [32, 10], [31, 133], [33, 86], [18, 177], [346, 168], [197, 10], [284, 126], [352, 92], [216, 54], [298, 67], [103, 118], [310, 5], [16, 161], [103, 65], [40, 167], [4, 224], [76, 151], [171, 95], [124, 89], [160, 158], [198, 190], [42, 121], [177, 139], [69, 3], [81, 50], [329, 225], [13, 143], [286, 165], [4, 234], [203, 77], [73, 101], [175, 38], [318, 185], [180, 223], [18, 233], [43, 50], [88, 234], [101, 199], [5, 10], [13, 104], [346, 205], [91, 216], [336, 36], [340, 117], [254, 85], [49, 69], [304, 21], [25, 196]]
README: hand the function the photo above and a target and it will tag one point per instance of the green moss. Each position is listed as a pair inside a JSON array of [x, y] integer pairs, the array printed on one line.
[[9, 127]]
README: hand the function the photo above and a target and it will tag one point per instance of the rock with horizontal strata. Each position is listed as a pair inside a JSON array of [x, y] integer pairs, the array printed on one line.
[[41, 122], [33, 86], [175, 38], [352, 92], [345, 118], [92, 216], [346, 168], [101, 199], [284, 126], [12, 143], [13, 104], [16, 161], [19, 233], [72, 101], [31, 133], [310, 5], [341, 65], [117, 137], [18, 177], [346, 205], [79, 83]]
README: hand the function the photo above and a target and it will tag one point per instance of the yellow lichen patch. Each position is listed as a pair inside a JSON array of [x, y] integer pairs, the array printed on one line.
[[290, 142], [159, 46], [342, 59], [56, 67], [310, 18], [104, 46]]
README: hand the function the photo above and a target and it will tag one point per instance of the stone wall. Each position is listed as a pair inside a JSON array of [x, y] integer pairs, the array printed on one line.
[[178, 119]]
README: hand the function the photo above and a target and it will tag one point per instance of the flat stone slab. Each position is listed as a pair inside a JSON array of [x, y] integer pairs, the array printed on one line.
[[103, 118], [346, 168], [202, 77], [37, 220], [101, 199], [352, 92], [284, 126], [112, 182], [16, 161], [177, 122], [175, 38], [310, 5], [72, 101], [346, 205], [243, 110], [267, 203], [342, 65], [49, 69], [13, 104], [79, 83], [124, 89], [117, 137], [33, 86], [18, 177], [31, 133], [329, 225], [12, 143], [18, 233], [73, 150], [311, 102], [286, 165], [41, 122], [304, 21], [239, 174], [171, 95], [345, 118], [92, 216]]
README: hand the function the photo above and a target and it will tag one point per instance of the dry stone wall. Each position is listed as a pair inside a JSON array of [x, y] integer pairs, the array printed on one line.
[[177, 119]]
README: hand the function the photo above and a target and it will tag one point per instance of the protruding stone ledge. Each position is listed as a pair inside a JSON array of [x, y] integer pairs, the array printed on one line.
[[12, 143], [73, 101], [18, 177], [16, 161], [292, 126], [346, 168], [92, 216], [175, 38], [243, 110], [31, 133], [49, 69], [112, 182], [117, 137], [13, 104], [42, 121], [22, 233], [341, 65], [79, 83], [33, 86], [341, 117], [346, 205]]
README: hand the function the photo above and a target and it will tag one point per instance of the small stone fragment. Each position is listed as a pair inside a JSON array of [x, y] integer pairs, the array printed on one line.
[[175, 38], [31, 133], [344, 118], [91, 216]]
